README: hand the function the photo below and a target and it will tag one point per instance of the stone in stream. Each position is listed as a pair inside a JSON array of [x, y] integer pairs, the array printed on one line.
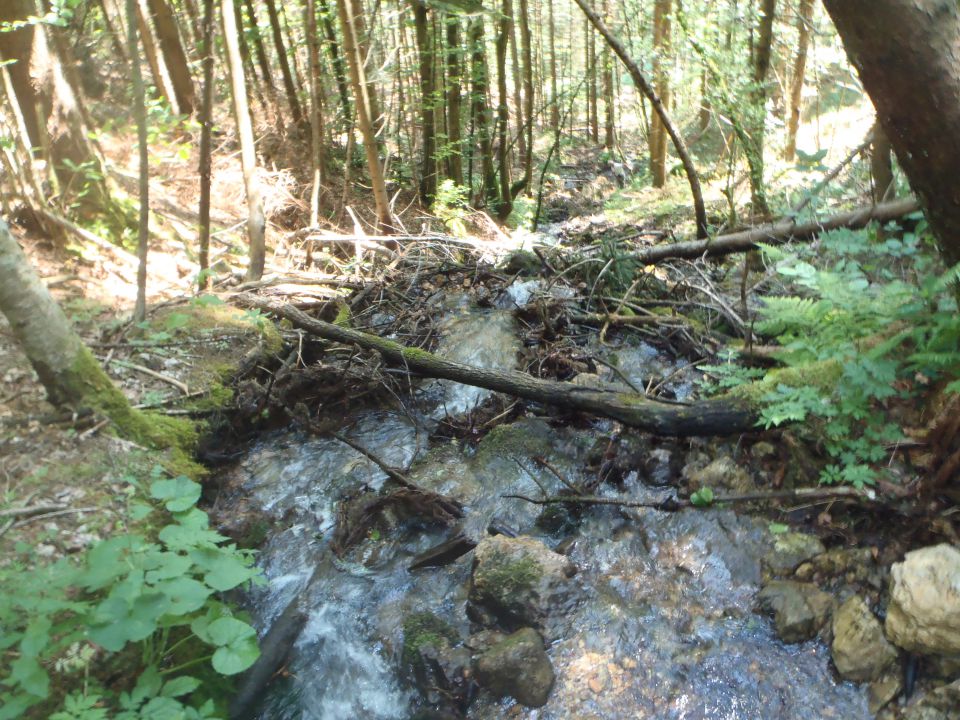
[[790, 549], [924, 611], [440, 669], [519, 582], [942, 703], [517, 667], [723, 474], [860, 650], [799, 610]]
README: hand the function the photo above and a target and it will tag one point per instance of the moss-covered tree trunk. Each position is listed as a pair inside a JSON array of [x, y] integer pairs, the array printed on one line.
[[70, 374]]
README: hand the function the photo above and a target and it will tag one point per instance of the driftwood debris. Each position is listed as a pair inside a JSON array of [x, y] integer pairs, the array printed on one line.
[[720, 416], [776, 233]]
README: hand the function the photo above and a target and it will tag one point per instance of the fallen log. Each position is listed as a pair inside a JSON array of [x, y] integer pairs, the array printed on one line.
[[719, 416], [776, 233]]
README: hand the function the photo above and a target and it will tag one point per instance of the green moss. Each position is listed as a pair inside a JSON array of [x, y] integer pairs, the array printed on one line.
[[506, 579], [423, 629], [343, 316], [411, 353], [823, 375]]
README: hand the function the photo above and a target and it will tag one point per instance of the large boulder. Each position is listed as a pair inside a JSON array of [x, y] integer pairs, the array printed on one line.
[[940, 704], [924, 611], [520, 582], [799, 610], [860, 651], [517, 667]]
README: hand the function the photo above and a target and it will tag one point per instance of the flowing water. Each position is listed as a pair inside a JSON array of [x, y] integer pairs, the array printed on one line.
[[666, 630]]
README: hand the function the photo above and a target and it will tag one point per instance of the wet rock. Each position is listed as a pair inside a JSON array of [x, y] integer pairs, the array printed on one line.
[[722, 474], [860, 650], [522, 262], [439, 669], [799, 610], [940, 704], [837, 562], [518, 667], [790, 549], [924, 611], [519, 582], [558, 518], [883, 690]]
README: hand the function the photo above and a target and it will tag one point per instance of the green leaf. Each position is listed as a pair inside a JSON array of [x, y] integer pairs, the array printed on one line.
[[30, 675], [778, 528], [702, 497], [236, 645], [185, 595], [117, 620], [179, 493], [226, 567], [182, 685]]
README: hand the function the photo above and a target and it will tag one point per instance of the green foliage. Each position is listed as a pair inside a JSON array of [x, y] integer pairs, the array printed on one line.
[[62, 619], [852, 307], [451, 205], [702, 497]]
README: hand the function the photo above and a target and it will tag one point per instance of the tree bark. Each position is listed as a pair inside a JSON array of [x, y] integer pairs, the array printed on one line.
[[479, 109], [881, 165], [776, 233], [609, 139], [725, 416], [316, 110], [364, 94], [554, 98], [428, 91], [175, 59], [907, 53], [454, 73], [661, 77], [526, 53], [288, 85], [206, 131], [753, 138], [256, 221], [505, 202], [647, 89], [336, 59], [140, 113], [804, 28]]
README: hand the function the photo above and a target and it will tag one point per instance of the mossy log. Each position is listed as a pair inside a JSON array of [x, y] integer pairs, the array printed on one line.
[[721, 416]]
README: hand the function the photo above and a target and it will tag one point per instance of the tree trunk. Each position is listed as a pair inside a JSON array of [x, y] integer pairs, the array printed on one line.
[[527, 130], [206, 131], [804, 28], [175, 59], [336, 59], [644, 86], [115, 40], [881, 165], [554, 98], [52, 114], [907, 53], [454, 73], [316, 110], [504, 203], [140, 113], [352, 25], [756, 112], [162, 79], [661, 78], [288, 85], [479, 109], [609, 139], [724, 416], [428, 90], [259, 50], [256, 221]]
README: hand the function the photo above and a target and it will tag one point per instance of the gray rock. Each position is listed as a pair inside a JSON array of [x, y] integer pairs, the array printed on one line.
[[799, 610], [940, 704], [790, 549], [722, 474], [519, 582], [440, 670], [518, 667], [924, 611], [860, 651]]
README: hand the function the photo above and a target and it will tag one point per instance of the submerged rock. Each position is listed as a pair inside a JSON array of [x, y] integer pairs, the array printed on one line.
[[940, 704], [790, 549], [440, 670], [518, 667], [799, 610], [518, 582], [924, 611], [860, 650], [723, 474]]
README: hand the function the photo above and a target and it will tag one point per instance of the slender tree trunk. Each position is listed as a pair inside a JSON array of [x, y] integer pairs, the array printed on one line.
[[316, 109], [592, 107], [175, 59], [479, 108], [336, 58], [554, 97], [527, 56], [906, 53], [115, 38], [505, 204], [288, 85], [260, 51], [661, 44], [517, 91], [256, 221], [609, 139], [364, 94], [162, 79], [647, 89], [428, 135], [206, 130], [881, 165], [804, 28], [140, 113], [455, 156], [757, 110]]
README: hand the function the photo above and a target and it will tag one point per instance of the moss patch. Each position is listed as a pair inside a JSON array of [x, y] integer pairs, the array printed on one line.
[[424, 629], [505, 579]]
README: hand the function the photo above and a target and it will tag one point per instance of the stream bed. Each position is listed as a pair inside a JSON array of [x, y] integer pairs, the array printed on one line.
[[666, 627]]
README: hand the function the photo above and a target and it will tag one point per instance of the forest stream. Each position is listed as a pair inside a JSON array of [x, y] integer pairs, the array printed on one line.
[[659, 620]]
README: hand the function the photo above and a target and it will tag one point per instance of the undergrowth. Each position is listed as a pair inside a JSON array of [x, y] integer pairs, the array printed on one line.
[[885, 312], [145, 605]]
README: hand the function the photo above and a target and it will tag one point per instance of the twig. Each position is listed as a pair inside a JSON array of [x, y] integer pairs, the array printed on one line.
[[17, 512], [58, 513], [392, 472], [544, 463], [154, 374]]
